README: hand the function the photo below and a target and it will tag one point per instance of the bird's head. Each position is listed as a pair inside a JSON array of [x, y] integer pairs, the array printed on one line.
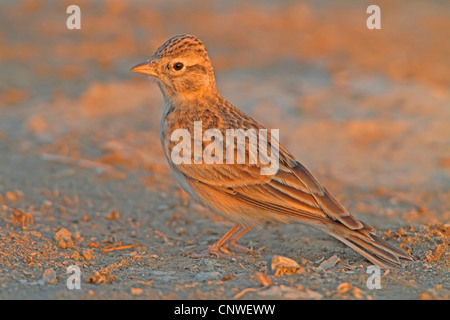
[[181, 67]]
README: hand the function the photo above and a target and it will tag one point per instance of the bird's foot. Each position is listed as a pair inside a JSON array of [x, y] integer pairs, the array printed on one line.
[[213, 250]]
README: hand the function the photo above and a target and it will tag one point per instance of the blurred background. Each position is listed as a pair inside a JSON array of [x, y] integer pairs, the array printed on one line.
[[367, 111]]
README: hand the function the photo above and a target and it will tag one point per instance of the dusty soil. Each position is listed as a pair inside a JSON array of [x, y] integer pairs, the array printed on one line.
[[83, 179]]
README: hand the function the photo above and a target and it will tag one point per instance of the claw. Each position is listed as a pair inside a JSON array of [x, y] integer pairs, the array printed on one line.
[[220, 248], [212, 251]]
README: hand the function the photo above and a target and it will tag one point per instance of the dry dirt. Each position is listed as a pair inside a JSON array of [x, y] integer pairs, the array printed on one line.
[[83, 179]]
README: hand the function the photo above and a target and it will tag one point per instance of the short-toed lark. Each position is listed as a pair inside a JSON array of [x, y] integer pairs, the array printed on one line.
[[239, 191]]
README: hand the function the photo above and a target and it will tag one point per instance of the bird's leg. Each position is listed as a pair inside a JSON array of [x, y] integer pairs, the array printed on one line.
[[232, 241], [214, 249]]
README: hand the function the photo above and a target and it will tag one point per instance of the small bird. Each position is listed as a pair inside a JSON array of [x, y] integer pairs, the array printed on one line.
[[238, 191]]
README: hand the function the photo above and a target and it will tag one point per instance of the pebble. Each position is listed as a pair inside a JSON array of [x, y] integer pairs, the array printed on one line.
[[49, 275], [137, 291], [87, 254], [64, 238], [328, 264], [279, 265]]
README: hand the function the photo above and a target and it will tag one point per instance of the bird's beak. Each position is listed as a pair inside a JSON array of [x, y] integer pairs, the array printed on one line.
[[147, 67]]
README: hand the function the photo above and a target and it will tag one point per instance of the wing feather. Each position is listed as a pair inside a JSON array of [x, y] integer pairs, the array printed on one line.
[[292, 191]]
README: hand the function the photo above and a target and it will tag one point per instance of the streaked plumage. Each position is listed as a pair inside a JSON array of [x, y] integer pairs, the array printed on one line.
[[239, 191]]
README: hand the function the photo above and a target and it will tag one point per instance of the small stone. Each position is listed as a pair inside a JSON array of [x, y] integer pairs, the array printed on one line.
[[68, 201], [328, 264], [136, 291], [279, 265], [64, 234], [49, 275], [46, 205], [228, 277], [76, 255], [62, 244], [14, 195], [113, 215], [87, 254], [64, 238], [344, 287], [357, 293], [101, 277]]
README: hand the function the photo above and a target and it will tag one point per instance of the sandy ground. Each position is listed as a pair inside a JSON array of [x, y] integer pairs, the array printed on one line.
[[83, 179]]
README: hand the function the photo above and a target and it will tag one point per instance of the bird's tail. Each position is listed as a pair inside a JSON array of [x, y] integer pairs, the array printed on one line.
[[368, 244]]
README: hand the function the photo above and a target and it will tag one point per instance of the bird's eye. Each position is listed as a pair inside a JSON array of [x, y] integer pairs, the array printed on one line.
[[178, 66]]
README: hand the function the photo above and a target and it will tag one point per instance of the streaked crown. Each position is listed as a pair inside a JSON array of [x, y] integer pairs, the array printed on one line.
[[181, 45]]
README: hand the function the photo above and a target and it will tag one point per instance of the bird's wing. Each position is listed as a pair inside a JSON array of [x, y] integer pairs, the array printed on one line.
[[291, 191]]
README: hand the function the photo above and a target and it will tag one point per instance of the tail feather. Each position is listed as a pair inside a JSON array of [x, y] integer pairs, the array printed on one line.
[[369, 245]]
